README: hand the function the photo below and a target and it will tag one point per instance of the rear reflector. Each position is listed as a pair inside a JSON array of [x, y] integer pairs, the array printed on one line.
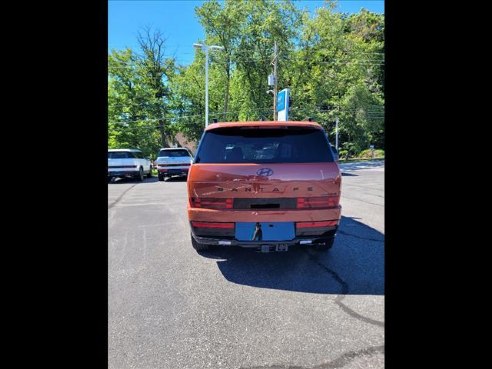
[[212, 225], [317, 202], [211, 203], [326, 223]]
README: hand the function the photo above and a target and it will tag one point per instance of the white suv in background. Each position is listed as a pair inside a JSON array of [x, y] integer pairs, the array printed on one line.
[[173, 162], [128, 163]]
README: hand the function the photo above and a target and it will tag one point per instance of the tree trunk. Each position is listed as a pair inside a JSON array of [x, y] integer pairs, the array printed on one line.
[[163, 134], [226, 99]]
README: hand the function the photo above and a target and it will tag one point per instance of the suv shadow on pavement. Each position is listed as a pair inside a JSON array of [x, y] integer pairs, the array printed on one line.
[[355, 264], [176, 179], [120, 180]]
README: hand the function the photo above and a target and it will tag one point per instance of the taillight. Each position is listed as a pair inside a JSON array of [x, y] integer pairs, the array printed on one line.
[[325, 223], [210, 203], [317, 202], [212, 225]]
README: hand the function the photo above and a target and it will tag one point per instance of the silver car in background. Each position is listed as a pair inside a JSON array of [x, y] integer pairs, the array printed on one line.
[[173, 162]]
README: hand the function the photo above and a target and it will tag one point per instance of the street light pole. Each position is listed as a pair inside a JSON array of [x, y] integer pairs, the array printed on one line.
[[274, 62], [205, 49], [336, 134], [206, 86]]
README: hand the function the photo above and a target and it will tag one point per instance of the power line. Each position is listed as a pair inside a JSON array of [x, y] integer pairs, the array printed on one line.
[[262, 60], [376, 114]]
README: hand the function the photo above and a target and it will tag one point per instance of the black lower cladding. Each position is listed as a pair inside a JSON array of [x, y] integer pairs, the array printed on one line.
[[316, 232], [274, 203], [175, 172], [122, 174], [223, 233], [208, 240], [213, 235]]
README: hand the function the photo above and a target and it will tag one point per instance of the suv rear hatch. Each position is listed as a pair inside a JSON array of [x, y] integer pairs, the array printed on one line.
[[121, 162], [264, 169]]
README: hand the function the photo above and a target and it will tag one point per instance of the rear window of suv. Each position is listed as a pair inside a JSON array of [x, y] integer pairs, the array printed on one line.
[[121, 155], [173, 153], [253, 145]]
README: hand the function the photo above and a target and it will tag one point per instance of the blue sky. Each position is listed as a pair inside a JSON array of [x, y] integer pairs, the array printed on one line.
[[177, 21]]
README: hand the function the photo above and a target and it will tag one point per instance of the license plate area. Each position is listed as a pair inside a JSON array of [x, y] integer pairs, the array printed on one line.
[[265, 231], [281, 247], [277, 248]]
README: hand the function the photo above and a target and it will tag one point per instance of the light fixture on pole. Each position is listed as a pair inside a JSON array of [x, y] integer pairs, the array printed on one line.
[[205, 49]]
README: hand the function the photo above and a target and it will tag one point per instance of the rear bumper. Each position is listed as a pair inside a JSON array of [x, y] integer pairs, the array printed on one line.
[[298, 241], [303, 236], [123, 173], [173, 171]]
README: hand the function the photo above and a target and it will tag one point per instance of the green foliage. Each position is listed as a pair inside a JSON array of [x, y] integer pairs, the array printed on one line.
[[367, 154], [138, 96], [332, 62], [343, 154]]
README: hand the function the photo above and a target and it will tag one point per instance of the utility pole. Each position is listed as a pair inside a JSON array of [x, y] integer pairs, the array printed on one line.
[[275, 57]]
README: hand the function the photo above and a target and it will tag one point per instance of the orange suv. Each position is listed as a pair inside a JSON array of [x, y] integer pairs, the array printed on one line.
[[264, 185]]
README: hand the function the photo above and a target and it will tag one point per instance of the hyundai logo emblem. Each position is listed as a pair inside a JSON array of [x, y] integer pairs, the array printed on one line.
[[264, 172]]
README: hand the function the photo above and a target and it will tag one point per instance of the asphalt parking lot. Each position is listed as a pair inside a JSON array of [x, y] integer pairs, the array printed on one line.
[[170, 307]]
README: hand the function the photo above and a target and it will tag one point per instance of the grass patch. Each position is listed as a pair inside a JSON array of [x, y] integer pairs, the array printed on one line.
[[358, 159]]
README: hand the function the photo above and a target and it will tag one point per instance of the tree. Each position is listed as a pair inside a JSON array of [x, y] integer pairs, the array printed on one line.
[[247, 30], [222, 25], [138, 95], [155, 71], [332, 62], [188, 99], [337, 72]]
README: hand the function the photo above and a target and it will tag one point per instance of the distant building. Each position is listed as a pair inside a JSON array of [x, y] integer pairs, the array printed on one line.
[[181, 141]]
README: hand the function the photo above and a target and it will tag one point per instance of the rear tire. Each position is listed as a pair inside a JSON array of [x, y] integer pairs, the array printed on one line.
[[326, 246], [199, 247], [149, 174], [161, 177], [140, 175]]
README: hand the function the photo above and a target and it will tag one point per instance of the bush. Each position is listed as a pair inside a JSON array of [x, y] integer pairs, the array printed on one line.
[[342, 154], [367, 154]]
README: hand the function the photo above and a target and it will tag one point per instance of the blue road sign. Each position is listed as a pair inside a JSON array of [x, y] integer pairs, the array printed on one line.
[[283, 105], [281, 100]]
